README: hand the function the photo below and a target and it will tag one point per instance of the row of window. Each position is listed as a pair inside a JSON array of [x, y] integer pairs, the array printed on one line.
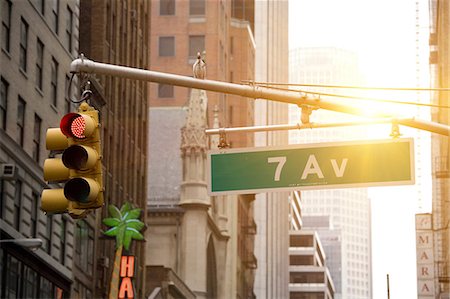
[[35, 214], [166, 48], [6, 9], [18, 280], [196, 7]]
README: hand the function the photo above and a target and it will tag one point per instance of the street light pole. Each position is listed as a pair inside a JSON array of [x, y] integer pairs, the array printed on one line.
[[83, 65], [32, 243]]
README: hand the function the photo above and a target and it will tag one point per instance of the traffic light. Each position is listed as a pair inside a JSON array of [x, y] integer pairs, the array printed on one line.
[[79, 165]]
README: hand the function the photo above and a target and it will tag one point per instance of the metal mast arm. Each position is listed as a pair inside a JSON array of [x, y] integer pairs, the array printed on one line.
[[83, 65]]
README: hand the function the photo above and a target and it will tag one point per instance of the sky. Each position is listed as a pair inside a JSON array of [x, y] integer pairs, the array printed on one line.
[[383, 33]]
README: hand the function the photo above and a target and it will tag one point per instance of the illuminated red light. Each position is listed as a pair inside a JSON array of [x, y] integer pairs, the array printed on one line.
[[73, 125], [77, 127]]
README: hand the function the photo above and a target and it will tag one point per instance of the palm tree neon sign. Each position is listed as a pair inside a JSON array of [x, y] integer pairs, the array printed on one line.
[[125, 226]]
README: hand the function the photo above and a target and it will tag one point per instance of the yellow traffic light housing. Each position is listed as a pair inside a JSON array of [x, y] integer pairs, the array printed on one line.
[[80, 164]]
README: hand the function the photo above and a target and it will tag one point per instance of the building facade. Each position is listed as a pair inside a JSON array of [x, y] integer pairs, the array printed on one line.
[[116, 32], [271, 209], [38, 41], [440, 78], [221, 229], [309, 276], [348, 209]]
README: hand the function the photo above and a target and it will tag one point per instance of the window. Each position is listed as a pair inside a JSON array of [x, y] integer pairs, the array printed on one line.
[[54, 82], [12, 277], [2, 200], [167, 7], [62, 240], [84, 246], [166, 46], [46, 289], [23, 45], [41, 6], [17, 204], [39, 62], [34, 214], [6, 24], [197, 7], [69, 26], [29, 283], [3, 102], [55, 15], [37, 137], [20, 120], [165, 91], [48, 234], [196, 44], [67, 95]]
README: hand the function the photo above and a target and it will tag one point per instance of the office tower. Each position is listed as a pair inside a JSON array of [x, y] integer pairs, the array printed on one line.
[[38, 42], [115, 32], [308, 271], [440, 78], [271, 209], [348, 209], [222, 33]]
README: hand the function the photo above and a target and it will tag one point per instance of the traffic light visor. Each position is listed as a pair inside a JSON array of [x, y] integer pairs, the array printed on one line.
[[78, 126], [53, 201]]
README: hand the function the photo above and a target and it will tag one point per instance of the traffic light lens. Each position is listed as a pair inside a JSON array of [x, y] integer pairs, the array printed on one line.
[[77, 189], [75, 157], [77, 127]]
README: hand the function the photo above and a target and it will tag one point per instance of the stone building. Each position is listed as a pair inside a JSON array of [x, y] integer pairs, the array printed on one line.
[[440, 147], [117, 32], [188, 231], [38, 41]]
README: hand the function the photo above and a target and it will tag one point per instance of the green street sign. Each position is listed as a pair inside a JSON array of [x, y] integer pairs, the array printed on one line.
[[311, 166]]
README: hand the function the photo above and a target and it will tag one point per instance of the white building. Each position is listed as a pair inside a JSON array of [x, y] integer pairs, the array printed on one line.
[[271, 210], [348, 209]]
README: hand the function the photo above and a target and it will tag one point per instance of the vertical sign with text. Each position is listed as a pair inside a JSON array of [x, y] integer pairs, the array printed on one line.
[[425, 256]]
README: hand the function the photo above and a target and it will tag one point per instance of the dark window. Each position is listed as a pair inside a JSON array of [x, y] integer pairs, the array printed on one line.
[[3, 102], [197, 7], [55, 15], [20, 120], [166, 46], [69, 29], [12, 277], [34, 214], [165, 91], [6, 24], [62, 240], [166, 7], [41, 6], [37, 137], [39, 62], [30, 283], [84, 248], [67, 95], [23, 45], [54, 82], [196, 44], [48, 234], [2, 205], [46, 289], [17, 204]]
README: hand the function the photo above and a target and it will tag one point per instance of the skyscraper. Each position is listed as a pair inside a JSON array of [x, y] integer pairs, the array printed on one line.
[[38, 41], [221, 32], [440, 78], [116, 32], [348, 209], [271, 209]]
